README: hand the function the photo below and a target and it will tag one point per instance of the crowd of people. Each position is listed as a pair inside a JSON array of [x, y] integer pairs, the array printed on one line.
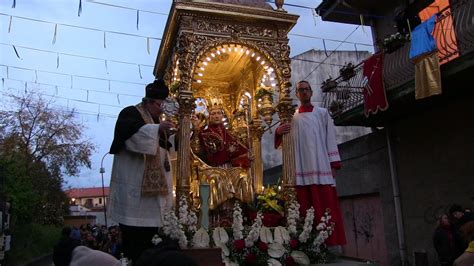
[[99, 245], [97, 237], [454, 237]]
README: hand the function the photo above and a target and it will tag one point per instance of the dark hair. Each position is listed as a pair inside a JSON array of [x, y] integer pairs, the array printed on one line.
[[455, 208], [304, 81], [62, 252], [66, 231], [157, 90]]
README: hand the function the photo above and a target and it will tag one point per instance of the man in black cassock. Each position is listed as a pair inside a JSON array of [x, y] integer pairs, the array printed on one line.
[[141, 184]]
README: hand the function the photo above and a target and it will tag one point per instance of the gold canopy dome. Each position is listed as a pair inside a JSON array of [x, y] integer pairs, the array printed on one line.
[[229, 71]]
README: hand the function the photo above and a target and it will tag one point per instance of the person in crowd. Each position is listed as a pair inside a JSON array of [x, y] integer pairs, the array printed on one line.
[[467, 257], [141, 182], [113, 245], [458, 218], [76, 233], [443, 240], [63, 249], [316, 160], [90, 241]]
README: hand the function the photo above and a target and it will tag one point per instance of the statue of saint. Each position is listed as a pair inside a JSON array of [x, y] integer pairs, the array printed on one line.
[[218, 147]]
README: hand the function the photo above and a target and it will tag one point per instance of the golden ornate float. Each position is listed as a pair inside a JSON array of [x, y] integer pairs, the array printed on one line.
[[227, 51]]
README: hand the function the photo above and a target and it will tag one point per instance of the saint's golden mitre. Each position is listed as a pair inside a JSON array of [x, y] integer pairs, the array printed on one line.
[[215, 103]]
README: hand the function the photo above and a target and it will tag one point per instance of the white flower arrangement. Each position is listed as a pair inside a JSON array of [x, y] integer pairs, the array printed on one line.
[[187, 217], [173, 229], [326, 228], [296, 243], [237, 223], [293, 216], [308, 225], [201, 239], [254, 233], [156, 240]]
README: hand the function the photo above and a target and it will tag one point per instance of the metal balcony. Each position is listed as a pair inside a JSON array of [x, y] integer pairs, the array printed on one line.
[[454, 35]]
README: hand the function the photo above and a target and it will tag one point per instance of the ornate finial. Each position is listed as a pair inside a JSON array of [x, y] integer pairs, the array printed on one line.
[[279, 5]]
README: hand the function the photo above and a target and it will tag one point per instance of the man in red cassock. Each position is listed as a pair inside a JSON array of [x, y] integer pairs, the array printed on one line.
[[317, 159]]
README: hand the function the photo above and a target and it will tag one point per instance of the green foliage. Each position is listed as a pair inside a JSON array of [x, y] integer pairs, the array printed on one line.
[[31, 241], [37, 145]]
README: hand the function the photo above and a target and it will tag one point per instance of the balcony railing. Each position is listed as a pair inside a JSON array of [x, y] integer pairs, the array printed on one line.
[[347, 94], [454, 35]]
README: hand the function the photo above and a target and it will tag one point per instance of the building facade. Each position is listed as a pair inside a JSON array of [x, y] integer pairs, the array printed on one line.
[[397, 181]]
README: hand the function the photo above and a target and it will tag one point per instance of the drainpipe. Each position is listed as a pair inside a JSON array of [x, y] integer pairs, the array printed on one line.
[[396, 197]]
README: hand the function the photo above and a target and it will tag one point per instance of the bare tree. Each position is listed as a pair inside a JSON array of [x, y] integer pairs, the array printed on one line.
[[39, 144], [45, 134]]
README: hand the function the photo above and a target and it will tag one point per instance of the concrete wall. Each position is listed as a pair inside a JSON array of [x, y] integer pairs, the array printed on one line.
[[434, 154], [433, 148], [366, 172], [301, 66]]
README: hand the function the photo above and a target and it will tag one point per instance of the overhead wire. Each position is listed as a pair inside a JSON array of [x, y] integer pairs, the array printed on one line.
[[75, 55], [81, 27], [332, 52], [74, 75]]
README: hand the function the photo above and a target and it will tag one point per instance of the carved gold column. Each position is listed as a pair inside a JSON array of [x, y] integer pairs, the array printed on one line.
[[183, 176], [185, 49], [257, 130], [286, 110]]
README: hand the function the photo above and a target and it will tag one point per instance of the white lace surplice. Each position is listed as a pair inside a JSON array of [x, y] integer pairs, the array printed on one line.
[[315, 147], [126, 205]]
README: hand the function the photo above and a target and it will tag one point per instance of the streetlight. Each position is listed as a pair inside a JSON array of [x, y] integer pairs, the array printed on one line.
[[102, 171]]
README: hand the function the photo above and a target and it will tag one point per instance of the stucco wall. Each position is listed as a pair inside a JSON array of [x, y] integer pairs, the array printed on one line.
[[432, 149], [434, 154], [366, 171]]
